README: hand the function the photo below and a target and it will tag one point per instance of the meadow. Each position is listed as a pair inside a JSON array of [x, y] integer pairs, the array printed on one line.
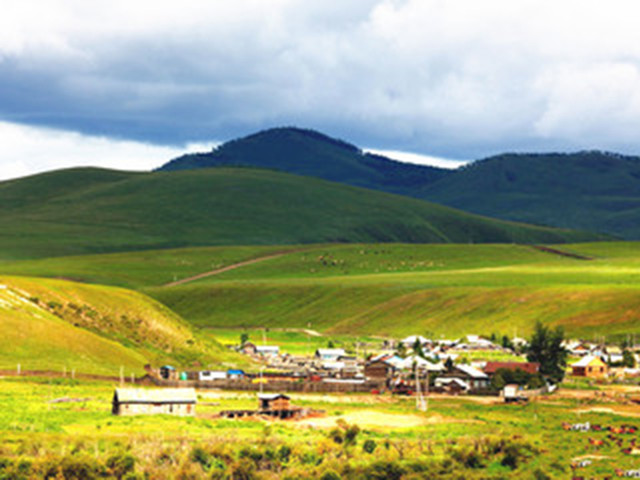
[[66, 427], [381, 290]]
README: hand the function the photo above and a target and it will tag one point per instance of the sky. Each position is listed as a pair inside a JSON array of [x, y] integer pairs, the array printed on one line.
[[131, 85]]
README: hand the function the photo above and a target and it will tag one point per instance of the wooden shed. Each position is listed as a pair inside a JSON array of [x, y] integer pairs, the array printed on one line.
[[275, 401], [140, 401]]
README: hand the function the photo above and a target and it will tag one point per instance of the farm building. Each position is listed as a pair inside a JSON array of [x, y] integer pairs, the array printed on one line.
[[208, 375], [168, 372], [235, 374], [474, 378], [329, 354], [268, 350], [589, 366], [248, 348], [139, 401], [276, 401], [451, 385]]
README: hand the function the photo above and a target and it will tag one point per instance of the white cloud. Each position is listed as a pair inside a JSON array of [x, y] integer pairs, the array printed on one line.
[[453, 79], [27, 150], [419, 159]]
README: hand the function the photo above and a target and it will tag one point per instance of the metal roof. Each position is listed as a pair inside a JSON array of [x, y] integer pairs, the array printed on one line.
[[588, 360], [156, 395], [272, 396], [472, 372]]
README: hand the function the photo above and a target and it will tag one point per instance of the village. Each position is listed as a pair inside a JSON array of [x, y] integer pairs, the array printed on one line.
[[413, 366]]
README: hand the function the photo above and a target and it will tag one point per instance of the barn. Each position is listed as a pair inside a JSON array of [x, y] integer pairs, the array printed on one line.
[[140, 401]]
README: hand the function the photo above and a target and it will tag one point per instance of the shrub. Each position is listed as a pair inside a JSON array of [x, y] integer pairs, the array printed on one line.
[[540, 475], [284, 453], [79, 468], [330, 475], [384, 470], [369, 445], [121, 464]]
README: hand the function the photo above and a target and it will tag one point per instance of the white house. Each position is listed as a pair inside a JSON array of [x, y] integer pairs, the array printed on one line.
[[329, 354], [267, 350], [208, 375]]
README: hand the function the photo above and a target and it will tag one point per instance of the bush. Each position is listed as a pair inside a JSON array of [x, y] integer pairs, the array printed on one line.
[[330, 475], [369, 445], [79, 468], [284, 453], [121, 464], [384, 470]]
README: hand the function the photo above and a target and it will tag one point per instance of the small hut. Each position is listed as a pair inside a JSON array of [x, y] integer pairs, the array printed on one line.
[[169, 401], [275, 401]]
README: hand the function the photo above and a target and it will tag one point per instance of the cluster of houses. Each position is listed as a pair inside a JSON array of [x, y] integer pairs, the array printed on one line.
[[401, 367], [326, 362]]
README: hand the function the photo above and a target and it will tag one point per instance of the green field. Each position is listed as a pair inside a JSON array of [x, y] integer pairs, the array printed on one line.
[[454, 438], [345, 292], [389, 290], [61, 325], [89, 210]]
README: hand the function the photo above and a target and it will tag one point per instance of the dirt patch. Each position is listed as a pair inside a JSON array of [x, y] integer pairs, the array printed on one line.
[[375, 419], [622, 410]]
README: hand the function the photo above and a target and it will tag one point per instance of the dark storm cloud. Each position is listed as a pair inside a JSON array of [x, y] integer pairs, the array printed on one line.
[[457, 79]]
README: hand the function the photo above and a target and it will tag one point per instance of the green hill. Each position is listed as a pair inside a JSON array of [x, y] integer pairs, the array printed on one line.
[[593, 191], [383, 289], [310, 153], [441, 290], [56, 325], [90, 210]]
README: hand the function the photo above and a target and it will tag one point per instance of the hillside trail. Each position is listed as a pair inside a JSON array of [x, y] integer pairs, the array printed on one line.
[[233, 266], [562, 253]]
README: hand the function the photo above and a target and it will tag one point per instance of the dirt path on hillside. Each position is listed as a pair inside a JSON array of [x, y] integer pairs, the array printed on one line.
[[233, 266], [562, 253]]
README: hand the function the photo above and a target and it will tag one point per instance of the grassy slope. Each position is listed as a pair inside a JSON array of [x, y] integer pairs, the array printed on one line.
[[51, 324], [470, 289], [140, 268], [588, 190], [104, 211], [393, 289]]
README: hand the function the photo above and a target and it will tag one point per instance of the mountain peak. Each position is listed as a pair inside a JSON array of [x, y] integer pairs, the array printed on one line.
[[311, 153]]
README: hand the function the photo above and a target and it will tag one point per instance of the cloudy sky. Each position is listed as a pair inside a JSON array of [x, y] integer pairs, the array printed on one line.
[[130, 84]]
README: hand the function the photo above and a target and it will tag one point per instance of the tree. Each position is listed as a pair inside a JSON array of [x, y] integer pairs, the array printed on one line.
[[628, 360], [448, 364], [545, 348], [417, 348]]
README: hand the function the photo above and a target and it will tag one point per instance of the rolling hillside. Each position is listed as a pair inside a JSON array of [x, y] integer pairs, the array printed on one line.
[[90, 210], [310, 153], [387, 289], [56, 325], [436, 290], [593, 191]]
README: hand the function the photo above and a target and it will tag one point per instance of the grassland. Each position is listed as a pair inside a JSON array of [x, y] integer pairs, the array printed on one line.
[[83, 211], [438, 290], [455, 437], [55, 325], [388, 290]]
